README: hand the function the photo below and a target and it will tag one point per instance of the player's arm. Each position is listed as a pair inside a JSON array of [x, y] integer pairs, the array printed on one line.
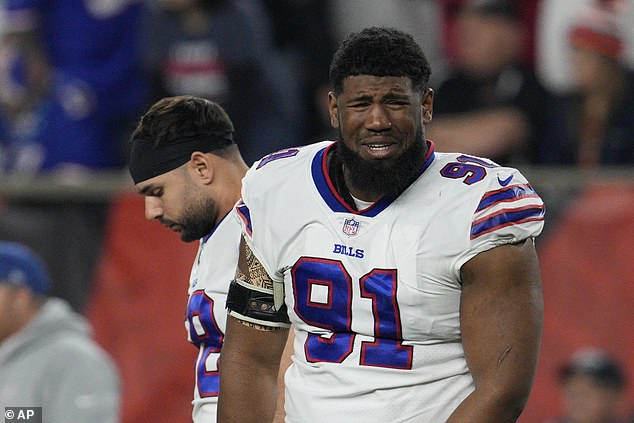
[[286, 361], [501, 316], [254, 340]]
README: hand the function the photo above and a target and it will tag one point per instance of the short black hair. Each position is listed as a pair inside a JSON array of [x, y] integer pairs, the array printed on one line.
[[171, 117], [379, 51]]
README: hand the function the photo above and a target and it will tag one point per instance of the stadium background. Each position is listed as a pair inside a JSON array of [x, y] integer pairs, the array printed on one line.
[[129, 277]]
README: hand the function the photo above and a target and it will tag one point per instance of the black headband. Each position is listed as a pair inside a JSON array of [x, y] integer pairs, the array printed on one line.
[[148, 160]]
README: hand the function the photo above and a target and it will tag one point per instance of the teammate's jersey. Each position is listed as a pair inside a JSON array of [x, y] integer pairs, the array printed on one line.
[[374, 295], [211, 274]]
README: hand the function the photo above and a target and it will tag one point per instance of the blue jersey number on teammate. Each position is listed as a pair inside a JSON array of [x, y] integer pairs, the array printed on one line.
[[205, 334], [323, 298]]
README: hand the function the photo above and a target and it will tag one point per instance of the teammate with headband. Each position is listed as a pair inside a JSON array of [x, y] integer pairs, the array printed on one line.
[[184, 161]]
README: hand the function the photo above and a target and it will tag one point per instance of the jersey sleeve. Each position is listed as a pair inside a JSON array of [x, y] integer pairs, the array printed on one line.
[[265, 214], [265, 210], [258, 240], [509, 211]]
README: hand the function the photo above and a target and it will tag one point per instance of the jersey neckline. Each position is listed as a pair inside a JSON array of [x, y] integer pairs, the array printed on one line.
[[331, 197], [205, 238]]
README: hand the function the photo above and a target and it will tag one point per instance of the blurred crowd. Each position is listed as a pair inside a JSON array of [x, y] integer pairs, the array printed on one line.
[[536, 82], [523, 82], [592, 389]]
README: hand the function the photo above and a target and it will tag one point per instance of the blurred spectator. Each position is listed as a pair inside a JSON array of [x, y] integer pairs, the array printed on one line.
[[491, 105], [222, 50], [419, 18], [71, 90], [597, 126], [47, 356], [303, 32], [593, 385], [71, 83], [552, 39], [527, 17]]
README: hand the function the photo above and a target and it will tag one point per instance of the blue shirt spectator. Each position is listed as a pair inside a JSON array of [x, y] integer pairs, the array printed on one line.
[[75, 81]]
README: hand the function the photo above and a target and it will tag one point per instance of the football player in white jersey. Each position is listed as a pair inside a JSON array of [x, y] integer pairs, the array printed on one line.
[[184, 161], [410, 276]]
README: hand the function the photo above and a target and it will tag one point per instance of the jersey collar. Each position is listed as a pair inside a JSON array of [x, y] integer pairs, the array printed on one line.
[[326, 189], [206, 237]]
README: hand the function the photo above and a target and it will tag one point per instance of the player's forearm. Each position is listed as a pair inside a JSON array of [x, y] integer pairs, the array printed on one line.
[[247, 392], [249, 364], [487, 406]]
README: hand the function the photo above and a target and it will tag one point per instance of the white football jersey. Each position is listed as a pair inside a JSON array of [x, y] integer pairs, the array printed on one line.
[[211, 274], [374, 295]]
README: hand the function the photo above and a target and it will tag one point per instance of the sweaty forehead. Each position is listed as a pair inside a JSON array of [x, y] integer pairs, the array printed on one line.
[[356, 85]]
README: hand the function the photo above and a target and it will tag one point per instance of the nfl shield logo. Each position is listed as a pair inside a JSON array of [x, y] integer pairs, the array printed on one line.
[[350, 227]]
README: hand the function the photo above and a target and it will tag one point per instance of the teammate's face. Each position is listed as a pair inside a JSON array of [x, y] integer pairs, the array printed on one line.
[[380, 121], [486, 44], [176, 202], [8, 311]]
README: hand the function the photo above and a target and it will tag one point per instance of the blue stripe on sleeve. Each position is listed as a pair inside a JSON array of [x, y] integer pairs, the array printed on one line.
[[509, 193], [506, 218], [243, 212]]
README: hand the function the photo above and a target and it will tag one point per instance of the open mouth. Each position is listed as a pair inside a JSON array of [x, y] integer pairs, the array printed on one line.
[[378, 147]]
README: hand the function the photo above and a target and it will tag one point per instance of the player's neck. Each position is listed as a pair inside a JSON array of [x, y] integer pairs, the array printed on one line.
[[365, 196], [338, 179]]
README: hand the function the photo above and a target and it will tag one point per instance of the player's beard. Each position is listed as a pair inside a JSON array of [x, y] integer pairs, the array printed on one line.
[[198, 219], [384, 177]]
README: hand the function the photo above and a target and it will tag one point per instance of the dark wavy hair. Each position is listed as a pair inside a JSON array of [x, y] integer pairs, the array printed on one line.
[[171, 117], [379, 51]]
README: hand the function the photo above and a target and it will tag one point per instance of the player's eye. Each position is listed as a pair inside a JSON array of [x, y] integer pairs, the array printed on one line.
[[397, 102], [358, 105]]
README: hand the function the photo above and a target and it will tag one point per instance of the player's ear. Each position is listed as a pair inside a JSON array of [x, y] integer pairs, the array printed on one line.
[[202, 167], [333, 109], [427, 106]]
